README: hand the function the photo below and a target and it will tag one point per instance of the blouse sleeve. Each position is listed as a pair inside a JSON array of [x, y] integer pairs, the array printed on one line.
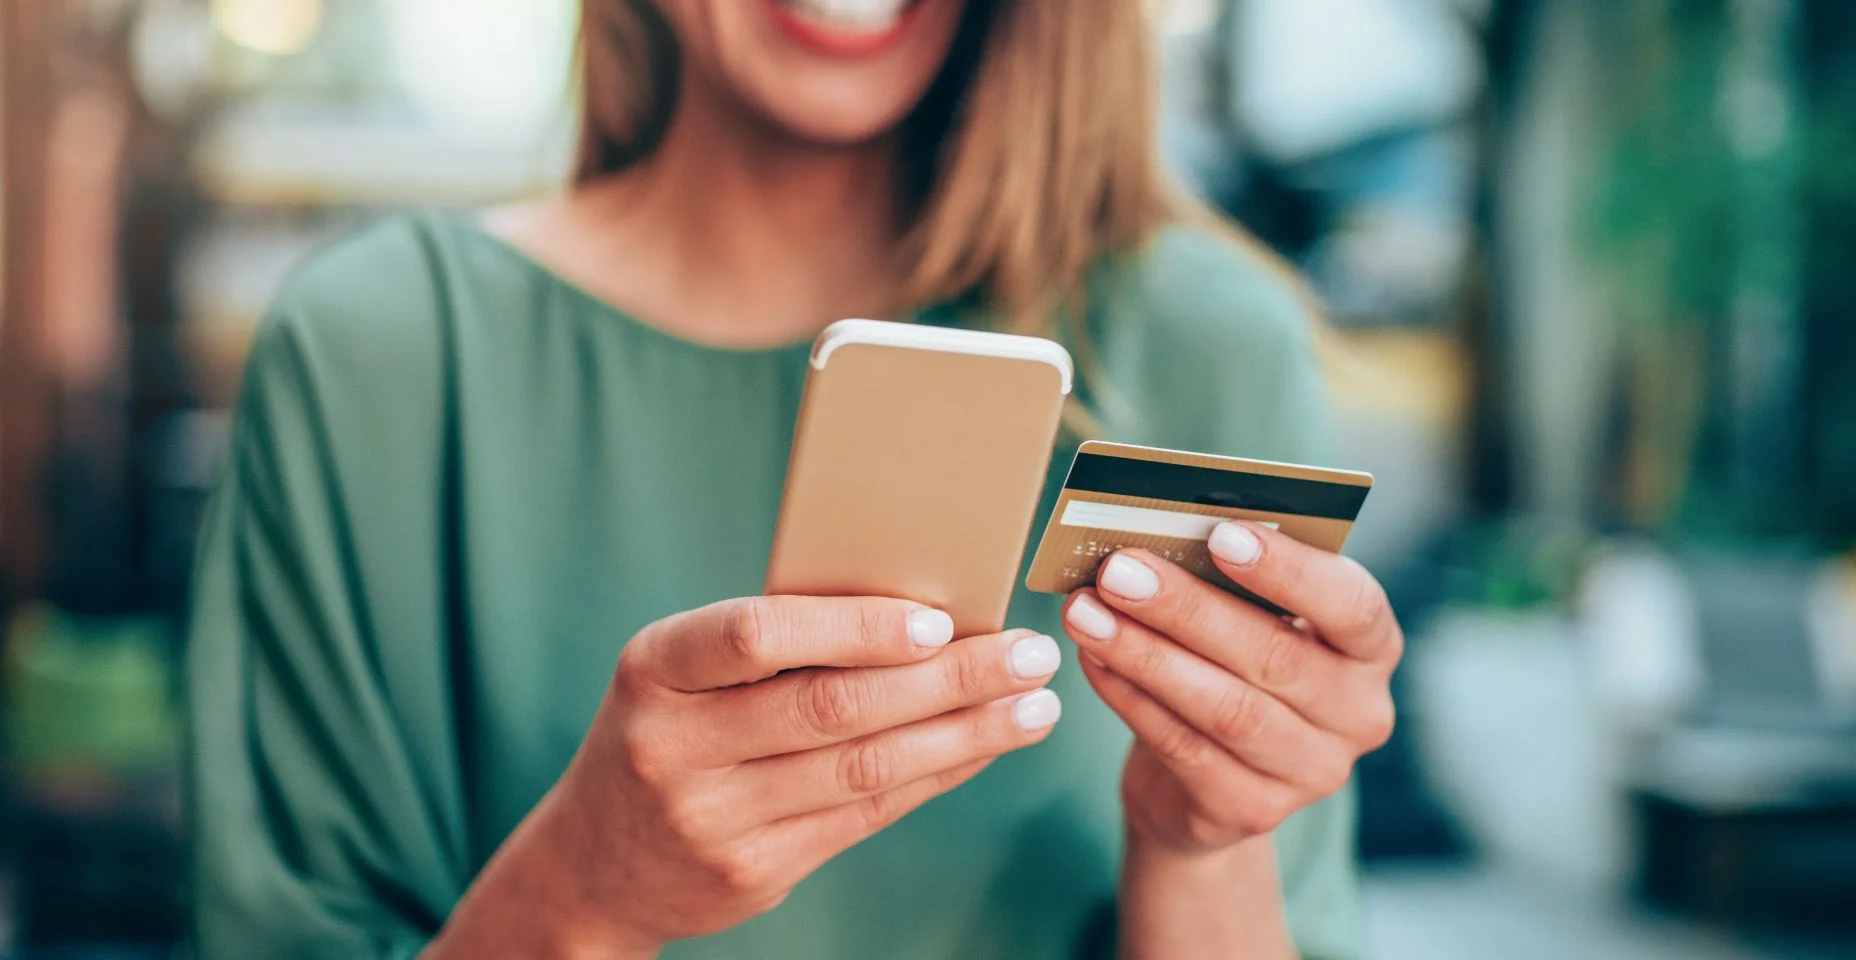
[[326, 818]]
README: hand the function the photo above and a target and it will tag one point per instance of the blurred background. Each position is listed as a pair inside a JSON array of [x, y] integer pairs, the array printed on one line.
[[1593, 262]]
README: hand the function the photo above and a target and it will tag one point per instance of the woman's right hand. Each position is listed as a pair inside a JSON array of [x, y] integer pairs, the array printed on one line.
[[740, 747]]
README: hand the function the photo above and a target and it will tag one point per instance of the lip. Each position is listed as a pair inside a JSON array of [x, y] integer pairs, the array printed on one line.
[[839, 43]]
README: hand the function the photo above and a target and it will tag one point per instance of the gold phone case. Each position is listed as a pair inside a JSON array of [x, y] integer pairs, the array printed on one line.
[[917, 465]]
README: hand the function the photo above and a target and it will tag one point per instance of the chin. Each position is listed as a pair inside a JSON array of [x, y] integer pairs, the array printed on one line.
[[837, 121]]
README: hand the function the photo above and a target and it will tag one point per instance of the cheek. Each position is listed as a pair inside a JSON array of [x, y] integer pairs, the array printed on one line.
[[817, 97]]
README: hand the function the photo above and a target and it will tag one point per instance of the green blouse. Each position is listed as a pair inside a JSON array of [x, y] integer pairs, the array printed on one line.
[[457, 484]]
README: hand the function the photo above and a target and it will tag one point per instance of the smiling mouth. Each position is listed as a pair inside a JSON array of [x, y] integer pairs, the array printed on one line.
[[850, 16], [846, 28]]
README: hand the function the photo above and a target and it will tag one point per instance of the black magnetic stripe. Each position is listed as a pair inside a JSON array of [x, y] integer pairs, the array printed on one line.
[[1126, 477]]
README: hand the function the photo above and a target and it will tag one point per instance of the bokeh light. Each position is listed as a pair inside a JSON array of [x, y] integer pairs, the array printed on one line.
[[276, 27]]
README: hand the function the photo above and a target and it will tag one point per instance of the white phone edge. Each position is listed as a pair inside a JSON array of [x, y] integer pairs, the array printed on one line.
[[918, 336]]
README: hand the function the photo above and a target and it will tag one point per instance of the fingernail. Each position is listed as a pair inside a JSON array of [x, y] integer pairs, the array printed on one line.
[[1235, 544], [1127, 577], [1092, 658], [1088, 615], [1035, 657], [930, 628], [1038, 710]]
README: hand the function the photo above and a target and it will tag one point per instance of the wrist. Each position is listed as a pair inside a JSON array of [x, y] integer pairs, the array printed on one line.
[[1212, 902], [1253, 858], [532, 899]]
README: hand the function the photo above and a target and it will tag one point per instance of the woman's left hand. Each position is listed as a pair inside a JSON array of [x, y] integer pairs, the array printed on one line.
[[1241, 717]]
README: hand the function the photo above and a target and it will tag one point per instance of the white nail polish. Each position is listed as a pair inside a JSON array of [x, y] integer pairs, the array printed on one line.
[[1035, 711], [1125, 576], [1090, 618], [930, 628], [1235, 544], [1035, 657]]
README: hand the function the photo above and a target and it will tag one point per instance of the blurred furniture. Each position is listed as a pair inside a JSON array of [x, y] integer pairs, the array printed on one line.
[[1722, 677], [1780, 862], [1746, 802]]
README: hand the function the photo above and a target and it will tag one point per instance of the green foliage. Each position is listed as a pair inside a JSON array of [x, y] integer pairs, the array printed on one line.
[[1718, 207]]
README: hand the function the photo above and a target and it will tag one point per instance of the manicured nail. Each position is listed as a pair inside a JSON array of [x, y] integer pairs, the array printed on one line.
[[1035, 711], [1088, 615], [1235, 544], [1125, 576], [930, 628], [1035, 657], [1092, 658]]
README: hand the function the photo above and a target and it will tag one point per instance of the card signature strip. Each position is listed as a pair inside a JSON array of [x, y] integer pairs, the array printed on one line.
[[1141, 520]]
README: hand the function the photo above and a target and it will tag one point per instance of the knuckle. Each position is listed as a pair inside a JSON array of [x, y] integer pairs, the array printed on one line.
[[1395, 646], [632, 676], [1365, 601], [1263, 815], [970, 679], [1283, 568], [866, 768], [751, 629], [1359, 617], [1258, 821], [1279, 809], [1190, 609], [649, 756], [988, 734], [1381, 722], [685, 818], [880, 810], [1149, 660], [830, 704], [1238, 715], [1333, 778], [880, 625], [742, 870], [1285, 657]]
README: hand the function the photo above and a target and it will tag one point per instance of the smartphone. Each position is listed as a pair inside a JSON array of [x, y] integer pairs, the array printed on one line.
[[917, 464]]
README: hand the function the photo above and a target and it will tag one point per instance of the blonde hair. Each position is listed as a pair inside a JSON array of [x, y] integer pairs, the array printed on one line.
[[1031, 159]]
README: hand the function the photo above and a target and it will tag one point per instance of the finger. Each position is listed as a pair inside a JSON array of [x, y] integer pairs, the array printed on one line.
[[780, 787], [1342, 601], [806, 709], [1242, 718], [741, 641], [1318, 682], [800, 845], [1248, 801], [1240, 636]]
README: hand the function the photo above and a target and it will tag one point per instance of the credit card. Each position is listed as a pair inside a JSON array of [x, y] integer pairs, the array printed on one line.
[[1167, 501]]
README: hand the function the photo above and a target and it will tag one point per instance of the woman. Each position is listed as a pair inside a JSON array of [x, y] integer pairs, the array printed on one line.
[[475, 456]]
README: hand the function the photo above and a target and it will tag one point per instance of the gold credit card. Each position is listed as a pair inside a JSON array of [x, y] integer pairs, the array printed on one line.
[[1168, 502]]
